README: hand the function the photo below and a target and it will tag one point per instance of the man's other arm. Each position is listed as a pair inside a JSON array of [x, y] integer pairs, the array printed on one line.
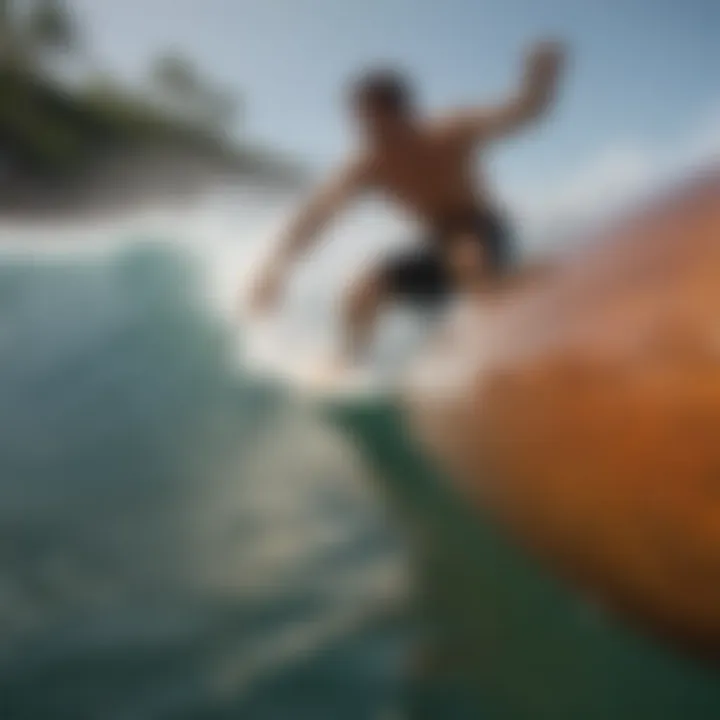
[[305, 228], [543, 70]]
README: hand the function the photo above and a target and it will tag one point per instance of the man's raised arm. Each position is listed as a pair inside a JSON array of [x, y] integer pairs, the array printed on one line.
[[543, 69], [304, 228]]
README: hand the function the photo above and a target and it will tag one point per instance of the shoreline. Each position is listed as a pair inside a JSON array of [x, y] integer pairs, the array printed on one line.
[[133, 180]]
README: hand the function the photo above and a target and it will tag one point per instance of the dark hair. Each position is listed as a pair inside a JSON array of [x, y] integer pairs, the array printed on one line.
[[384, 88]]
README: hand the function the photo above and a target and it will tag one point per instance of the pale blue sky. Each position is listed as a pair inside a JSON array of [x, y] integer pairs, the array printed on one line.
[[644, 71]]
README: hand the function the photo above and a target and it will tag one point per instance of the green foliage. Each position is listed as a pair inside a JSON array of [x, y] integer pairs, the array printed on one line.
[[50, 26], [34, 32], [47, 130], [182, 90]]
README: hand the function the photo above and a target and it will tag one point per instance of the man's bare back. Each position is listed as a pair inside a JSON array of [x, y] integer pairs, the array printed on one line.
[[426, 167]]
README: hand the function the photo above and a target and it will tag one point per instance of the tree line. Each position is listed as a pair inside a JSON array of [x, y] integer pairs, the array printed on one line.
[[40, 36]]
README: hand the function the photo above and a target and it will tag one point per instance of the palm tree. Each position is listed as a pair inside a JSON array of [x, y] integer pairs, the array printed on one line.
[[184, 92], [221, 110], [175, 78], [10, 42], [50, 27], [5, 7], [34, 33]]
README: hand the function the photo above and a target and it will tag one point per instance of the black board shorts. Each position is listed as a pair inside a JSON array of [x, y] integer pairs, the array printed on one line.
[[421, 275]]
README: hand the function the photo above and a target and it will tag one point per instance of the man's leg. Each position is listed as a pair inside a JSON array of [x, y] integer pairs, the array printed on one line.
[[417, 276], [480, 255], [467, 263], [360, 311]]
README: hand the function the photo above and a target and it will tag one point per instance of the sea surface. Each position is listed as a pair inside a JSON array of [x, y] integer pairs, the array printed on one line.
[[178, 540], [181, 538]]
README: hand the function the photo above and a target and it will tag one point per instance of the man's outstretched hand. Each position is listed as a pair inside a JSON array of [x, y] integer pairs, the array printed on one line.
[[545, 60]]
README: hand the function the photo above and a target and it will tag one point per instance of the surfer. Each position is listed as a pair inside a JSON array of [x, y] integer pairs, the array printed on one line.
[[426, 167]]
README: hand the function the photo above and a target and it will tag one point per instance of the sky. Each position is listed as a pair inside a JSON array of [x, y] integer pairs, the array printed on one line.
[[642, 82]]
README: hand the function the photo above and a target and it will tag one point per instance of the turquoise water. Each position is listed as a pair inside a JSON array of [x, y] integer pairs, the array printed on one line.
[[176, 541], [180, 540]]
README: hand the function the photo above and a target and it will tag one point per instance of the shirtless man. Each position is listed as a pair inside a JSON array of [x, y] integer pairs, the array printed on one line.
[[426, 166]]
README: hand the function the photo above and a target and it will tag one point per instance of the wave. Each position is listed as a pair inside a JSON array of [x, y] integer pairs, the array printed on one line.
[[180, 539], [176, 538]]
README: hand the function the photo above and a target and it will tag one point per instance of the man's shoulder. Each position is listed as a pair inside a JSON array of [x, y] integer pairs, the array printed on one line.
[[461, 126], [359, 165], [363, 168], [353, 171], [448, 127]]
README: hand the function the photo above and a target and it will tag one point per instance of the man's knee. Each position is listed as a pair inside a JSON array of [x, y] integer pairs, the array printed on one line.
[[467, 259], [365, 293]]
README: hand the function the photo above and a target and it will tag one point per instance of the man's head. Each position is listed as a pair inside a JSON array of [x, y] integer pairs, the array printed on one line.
[[383, 103]]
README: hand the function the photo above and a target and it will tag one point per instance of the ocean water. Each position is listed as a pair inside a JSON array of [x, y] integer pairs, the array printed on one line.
[[181, 539], [177, 539]]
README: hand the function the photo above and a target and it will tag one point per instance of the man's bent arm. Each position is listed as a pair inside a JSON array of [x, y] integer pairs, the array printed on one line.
[[322, 206], [302, 231], [543, 69]]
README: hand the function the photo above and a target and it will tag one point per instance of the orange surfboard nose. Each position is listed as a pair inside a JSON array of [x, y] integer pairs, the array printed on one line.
[[590, 423]]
